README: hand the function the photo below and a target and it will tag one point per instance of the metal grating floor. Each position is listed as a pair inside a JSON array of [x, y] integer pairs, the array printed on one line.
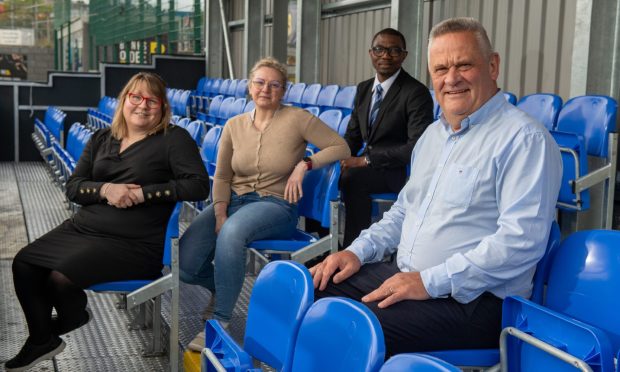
[[30, 205]]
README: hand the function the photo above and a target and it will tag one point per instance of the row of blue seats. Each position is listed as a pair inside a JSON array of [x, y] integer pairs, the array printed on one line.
[[65, 159], [573, 322], [107, 105], [50, 129]]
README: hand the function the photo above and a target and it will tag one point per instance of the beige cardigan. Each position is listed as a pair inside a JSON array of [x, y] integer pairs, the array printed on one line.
[[249, 160]]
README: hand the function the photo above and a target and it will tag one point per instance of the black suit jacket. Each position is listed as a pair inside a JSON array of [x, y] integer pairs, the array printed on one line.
[[405, 112]]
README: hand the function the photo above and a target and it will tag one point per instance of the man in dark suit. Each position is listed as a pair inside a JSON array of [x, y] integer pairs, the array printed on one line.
[[391, 111]]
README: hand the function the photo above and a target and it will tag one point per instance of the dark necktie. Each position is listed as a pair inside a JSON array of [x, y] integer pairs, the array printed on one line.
[[377, 98]]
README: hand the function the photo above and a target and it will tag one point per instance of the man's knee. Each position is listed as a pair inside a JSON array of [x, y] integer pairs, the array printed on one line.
[[352, 179]]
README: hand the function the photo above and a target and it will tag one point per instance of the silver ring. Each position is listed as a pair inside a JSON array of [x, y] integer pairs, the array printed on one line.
[[391, 290]]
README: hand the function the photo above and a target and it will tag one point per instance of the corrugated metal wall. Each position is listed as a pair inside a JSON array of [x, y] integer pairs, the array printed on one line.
[[534, 39]]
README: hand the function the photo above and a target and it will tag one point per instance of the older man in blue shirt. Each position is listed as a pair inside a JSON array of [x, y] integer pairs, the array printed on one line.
[[470, 225]]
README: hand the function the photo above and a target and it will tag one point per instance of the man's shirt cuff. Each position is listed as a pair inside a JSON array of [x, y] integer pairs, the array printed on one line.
[[436, 281]]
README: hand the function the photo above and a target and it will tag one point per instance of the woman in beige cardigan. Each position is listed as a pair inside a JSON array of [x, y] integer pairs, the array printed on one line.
[[257, 183]]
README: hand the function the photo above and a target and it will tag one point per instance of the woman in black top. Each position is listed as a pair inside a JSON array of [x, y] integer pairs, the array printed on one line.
[[127, 180]]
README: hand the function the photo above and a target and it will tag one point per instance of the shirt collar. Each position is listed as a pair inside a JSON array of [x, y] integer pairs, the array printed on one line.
[[477, 117], [386, 84]]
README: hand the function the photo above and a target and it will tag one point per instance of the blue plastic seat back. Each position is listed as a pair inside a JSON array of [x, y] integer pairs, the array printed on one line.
[[214, 108], [570, 335], [295, 93], [209, 149], [174, 102], [280, 298], [196, 129], [510, 98], [594, 117], [200, 84], [206, 87], [311, 94], [288, 90], [224, 87], [224, 112], [584, 280], [320, 186], [183, 122], [339, 334], [232, 88], [215, 88], [242, 89], [345, 99], [237, 107], [572, 144], [411, 362], [314, 110], [249, 106], [183, 102], [544, 264], [344, 124], [332, 118], [327, 96], [543, 107]]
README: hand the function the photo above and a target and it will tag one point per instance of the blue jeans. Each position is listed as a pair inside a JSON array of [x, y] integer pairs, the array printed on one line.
[[250, 217]]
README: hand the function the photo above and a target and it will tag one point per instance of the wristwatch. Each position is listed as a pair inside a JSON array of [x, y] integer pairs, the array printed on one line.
[[308, 162], [367, 158]]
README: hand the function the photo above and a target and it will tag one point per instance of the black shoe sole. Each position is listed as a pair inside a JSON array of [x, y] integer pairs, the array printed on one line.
[[47, 356]]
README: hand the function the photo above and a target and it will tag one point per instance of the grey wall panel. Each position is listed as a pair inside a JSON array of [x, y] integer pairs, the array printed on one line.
[[345, 41], [533, 38], [238, 52]]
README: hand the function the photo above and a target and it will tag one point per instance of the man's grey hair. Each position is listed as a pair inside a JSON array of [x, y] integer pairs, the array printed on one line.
[[462, 24]]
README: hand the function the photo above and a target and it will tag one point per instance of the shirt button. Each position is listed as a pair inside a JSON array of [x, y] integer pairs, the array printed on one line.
[[167, 192], [158, 194]]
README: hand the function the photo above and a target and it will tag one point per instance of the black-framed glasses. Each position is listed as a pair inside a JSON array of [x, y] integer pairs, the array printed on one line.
[[379, 51], [136, 99], [260, 84]]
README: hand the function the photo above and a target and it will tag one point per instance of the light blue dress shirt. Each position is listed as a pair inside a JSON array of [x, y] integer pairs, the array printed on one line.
[[476, 213]]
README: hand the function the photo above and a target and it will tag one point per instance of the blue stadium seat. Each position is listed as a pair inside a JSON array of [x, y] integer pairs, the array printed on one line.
[[477, 358], [232, 88], [223, 113], [224, 87], [332, 118], [209, 149], [295, 93], [288, 89], [281, 295], [214, 110], [511, 98], [339, 334], [249, 106], [140, 291], [344, 124], [182, 122], [344, 99], [237, 107], [544, 107], [215, 88], [311, 94], [327, 97], [320, 190], [242, 89], [313, 110], [417, 363], [594, 118], [580, 310], [197, 130], [184, 103]]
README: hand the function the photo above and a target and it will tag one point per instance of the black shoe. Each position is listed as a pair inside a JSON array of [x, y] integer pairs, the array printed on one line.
[[31, 354], [62, 326]]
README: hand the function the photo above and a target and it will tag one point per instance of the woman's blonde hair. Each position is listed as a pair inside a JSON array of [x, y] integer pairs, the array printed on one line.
[[271, 63], [156, 85]]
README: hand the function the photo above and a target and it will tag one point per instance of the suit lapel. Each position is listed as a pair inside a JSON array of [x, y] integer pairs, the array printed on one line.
[[364, 107]]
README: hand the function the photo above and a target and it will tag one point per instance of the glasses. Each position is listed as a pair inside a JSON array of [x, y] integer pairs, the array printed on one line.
[[260, 84], [136, 99], [379, 51]]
